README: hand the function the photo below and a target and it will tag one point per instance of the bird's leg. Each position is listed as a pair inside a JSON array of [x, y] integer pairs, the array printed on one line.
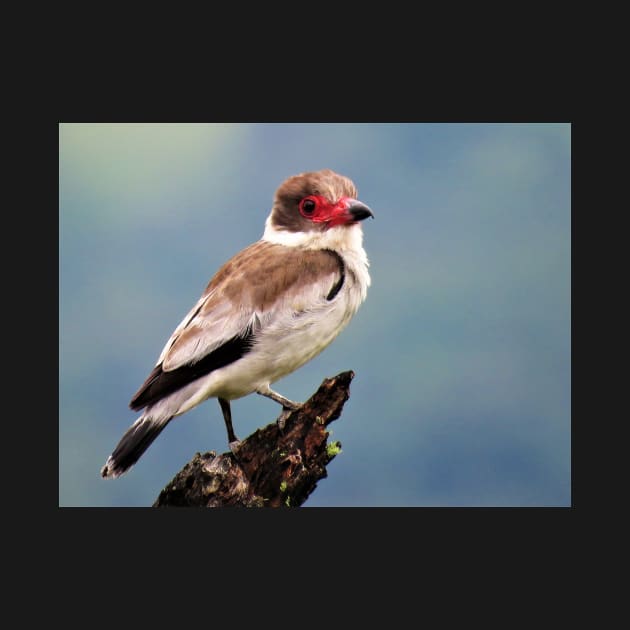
[[287, 405], [233, 441], [285, 402]]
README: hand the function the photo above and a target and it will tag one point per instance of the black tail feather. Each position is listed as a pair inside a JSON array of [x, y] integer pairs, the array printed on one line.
[[132, 445]]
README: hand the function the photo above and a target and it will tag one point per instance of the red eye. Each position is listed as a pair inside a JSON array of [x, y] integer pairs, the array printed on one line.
[[307, 206]]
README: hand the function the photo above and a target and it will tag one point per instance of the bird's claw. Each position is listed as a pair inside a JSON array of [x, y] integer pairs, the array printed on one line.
[[286, 412]]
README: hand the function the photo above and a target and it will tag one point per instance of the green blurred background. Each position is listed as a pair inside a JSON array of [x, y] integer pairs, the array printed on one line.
[[462, 351]]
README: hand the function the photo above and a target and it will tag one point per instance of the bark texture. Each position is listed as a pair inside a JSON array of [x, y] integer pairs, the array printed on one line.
[[273, 467]]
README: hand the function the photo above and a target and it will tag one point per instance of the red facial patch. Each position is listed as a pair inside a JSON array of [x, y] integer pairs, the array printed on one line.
[[319, 210]]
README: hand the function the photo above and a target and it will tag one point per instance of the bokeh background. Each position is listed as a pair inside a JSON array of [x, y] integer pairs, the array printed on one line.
[[462, 351]]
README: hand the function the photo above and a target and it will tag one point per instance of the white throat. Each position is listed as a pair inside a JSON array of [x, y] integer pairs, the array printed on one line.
[[346, 240], [343, 238]]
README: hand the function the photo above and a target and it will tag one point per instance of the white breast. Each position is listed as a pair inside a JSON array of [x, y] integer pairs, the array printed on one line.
[[294, 338]]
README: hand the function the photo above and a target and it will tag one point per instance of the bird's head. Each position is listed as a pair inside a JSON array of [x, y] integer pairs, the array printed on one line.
[[312, 203]]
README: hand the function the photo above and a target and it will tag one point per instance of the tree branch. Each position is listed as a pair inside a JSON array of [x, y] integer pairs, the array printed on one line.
[[273, 467]]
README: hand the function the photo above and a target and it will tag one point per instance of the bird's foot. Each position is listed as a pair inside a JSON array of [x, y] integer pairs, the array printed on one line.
[[286, 412], [289, 405], [281, 420]]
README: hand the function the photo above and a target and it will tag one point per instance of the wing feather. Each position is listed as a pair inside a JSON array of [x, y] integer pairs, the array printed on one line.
[[261, 283]]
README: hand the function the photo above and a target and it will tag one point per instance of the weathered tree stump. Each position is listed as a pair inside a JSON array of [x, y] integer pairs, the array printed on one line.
[[273, 467]]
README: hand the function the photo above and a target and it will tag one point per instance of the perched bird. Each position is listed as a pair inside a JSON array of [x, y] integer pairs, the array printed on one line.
[[266, 312]]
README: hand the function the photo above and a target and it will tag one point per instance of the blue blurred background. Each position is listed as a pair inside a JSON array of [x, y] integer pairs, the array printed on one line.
[[462, 351]]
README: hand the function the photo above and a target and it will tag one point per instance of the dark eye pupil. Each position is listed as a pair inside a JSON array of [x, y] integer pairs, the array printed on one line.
[[308, 206]]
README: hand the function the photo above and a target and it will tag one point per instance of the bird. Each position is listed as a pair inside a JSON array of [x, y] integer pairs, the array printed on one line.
[[266, 312]]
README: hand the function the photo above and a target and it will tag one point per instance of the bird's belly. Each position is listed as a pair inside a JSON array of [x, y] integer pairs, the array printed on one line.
[[283, 349], [280, 348]]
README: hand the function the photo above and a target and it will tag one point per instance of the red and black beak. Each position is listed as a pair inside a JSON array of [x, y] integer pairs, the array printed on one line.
[[358, 210]]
